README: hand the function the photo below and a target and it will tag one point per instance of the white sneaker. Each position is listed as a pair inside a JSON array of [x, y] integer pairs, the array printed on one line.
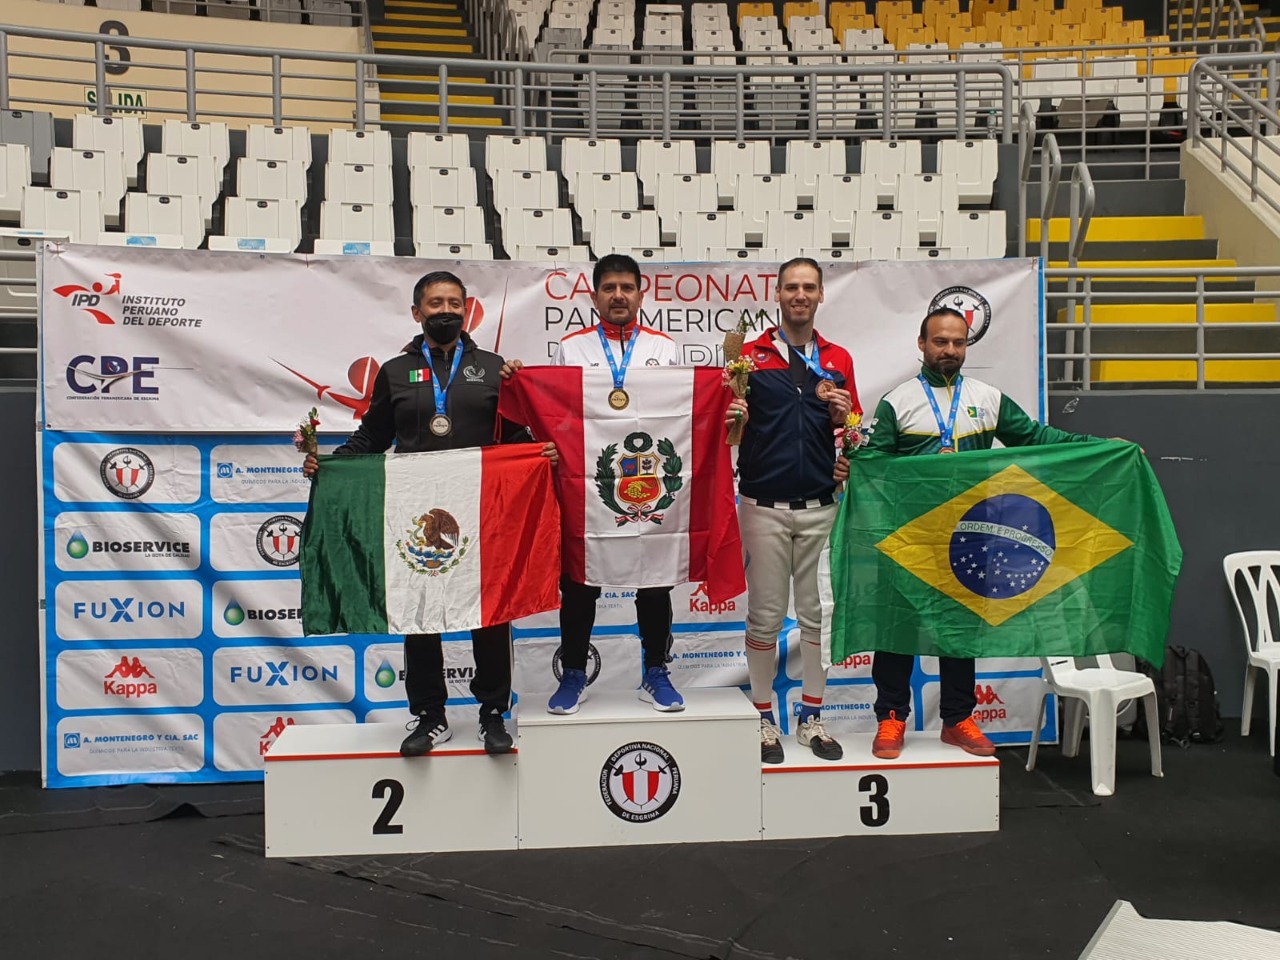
[[770, 742], [813, 734]]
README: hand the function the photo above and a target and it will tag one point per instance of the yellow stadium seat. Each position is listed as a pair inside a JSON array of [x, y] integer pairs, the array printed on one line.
[[789, 10], [755, 10], [979, 10], [842, 8], [932, 10], [1066, 35], [908, 35], [1036, 6], [891, 8], [1071, 15], [958, 35], [851, 21], [1015, 35], [943, 22]]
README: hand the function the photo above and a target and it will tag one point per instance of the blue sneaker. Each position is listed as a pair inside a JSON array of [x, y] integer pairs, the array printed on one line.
[[656, 688], [571, 693]]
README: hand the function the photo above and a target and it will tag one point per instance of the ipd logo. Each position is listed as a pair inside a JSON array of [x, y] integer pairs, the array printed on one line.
[[88, 374], [90, 298]]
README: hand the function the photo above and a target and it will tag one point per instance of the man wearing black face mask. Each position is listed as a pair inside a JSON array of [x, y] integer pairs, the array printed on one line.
[[441, 393]]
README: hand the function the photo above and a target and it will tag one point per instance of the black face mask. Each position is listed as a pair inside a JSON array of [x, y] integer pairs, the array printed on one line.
[[443, 328]]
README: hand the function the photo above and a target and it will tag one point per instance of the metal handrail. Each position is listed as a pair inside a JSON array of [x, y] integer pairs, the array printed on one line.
[[1026, 149], [1050, 177]]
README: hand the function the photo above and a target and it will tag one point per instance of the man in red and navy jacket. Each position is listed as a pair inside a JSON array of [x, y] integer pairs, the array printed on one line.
[[801, 392]]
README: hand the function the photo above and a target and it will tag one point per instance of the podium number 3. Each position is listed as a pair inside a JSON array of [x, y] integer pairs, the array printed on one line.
[[393, 790], [875, 813]]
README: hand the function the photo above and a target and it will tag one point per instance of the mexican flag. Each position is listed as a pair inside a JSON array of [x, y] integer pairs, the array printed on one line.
[[430, 542], [646, 492], [1036, 551]]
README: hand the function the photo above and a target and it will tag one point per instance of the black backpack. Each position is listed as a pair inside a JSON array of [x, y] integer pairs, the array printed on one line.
[[1186, 699]]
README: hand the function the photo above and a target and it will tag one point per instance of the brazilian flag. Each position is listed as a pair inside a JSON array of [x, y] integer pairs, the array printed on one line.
[[1065, 549]]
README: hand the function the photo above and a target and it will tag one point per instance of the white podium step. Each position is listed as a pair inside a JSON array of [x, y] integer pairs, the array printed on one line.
[[619, 772], [931, 788], [344, 789], [616, 772]]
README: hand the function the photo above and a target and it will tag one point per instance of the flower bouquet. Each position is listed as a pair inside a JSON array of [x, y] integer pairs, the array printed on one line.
[[304, 437], [736, 370], [851, 436]]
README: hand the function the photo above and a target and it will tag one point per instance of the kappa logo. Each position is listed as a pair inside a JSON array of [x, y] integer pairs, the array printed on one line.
[[128, 671], [970, 304], [434, 544], [700, 602], [629, 484], [593, 664], [986, 696], [279, 540], [268, 739], [361, 375], [640, 782], [90, 298], [127, 472]]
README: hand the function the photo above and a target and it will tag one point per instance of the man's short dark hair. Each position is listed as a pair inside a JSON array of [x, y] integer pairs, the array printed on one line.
[[615, 263], [939, 312], [437, 276], [799, 262]]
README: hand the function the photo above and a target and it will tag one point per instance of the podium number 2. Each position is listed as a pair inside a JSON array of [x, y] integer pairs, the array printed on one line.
[[875, 813], [393, 790]]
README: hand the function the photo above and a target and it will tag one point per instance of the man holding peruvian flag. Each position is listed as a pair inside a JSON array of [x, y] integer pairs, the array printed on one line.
[[645, 481]]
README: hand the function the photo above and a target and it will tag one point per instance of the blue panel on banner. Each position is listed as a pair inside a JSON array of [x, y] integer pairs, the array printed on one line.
[[137, 240]]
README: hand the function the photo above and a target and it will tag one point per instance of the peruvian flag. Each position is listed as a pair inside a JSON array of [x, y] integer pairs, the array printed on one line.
[[646, 492]]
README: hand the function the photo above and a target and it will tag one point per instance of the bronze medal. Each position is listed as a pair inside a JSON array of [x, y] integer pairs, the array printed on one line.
[[825, 389]]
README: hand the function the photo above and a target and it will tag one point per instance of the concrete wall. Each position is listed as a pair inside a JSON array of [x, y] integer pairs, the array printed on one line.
[[19, 636], [1247, 231]]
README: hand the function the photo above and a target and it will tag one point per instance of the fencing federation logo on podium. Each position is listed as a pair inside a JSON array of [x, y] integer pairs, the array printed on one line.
[[639, 782]]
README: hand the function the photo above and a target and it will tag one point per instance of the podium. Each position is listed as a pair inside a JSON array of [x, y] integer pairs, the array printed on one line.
[[617, 772]]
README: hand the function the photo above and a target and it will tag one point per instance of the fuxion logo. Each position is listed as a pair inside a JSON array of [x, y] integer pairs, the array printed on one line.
[[128, 609], [127, 472], [129, 670], [90, 298], [283, 673], [279, 540], [639, 782], [361, 375]]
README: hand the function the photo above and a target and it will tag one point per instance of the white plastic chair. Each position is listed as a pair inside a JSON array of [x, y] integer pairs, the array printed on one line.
[[1102, 688], [1252, 575]]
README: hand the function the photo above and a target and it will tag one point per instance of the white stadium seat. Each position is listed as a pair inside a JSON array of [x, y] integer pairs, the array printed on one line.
[[369, 147], [975, 164], [15, 173], [123, 135], [357, 182], [448, 225], [884, 232], [198, 139], [618, 229], [845, 196], [357, 221], [166, 214], [536, 227], [731, 158], [260, 218], [278, 143], [98, 170], [454, 251], [759, 193], [262, 179], [442, 187], [677, 192], [927, 195], [75, 214], [792, 229], [532, 189], [514, 153], [550, 254], [700, 232], [980, 232], [654, 157], [808, 159], [885, 159], [439, 150], [188, 175]]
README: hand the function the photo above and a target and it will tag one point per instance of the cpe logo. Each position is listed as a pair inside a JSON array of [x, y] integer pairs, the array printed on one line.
[[127, 472], [279, 540], [640, 782], [87, 374], [91, 298]]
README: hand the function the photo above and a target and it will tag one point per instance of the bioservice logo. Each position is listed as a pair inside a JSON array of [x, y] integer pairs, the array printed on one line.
[[128, 609], [127, 541], [265, 608], [322, 674], [127, 472], [639, 782]]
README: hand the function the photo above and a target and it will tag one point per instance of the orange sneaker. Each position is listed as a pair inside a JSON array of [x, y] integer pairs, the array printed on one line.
[[968, 738], [889, 736]]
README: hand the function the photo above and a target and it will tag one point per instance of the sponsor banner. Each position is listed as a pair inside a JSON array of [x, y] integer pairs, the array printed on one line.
[[284, 674], [1006, 705], [254, 542], [709, 659], [260, 472], [462, 719], [94, 542], [157, 339], [384, 673], [241, 740], [142, 473], [129, 747], [244, 609], [128, 610], [613, 663], [118, 678], [847, 708]]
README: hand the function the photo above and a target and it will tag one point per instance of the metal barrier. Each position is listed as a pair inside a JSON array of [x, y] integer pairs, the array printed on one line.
[[349, 13], [1235, 105]]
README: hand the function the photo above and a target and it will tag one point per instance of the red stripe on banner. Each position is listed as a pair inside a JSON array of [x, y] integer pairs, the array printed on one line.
[[519, 533], [549, 401], [715, 545]]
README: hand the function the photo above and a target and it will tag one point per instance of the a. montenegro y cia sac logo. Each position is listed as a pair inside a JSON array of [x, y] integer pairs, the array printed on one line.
[[642, 481]]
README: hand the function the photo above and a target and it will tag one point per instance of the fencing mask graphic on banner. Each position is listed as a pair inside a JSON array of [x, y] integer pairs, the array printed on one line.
[[168, 398]]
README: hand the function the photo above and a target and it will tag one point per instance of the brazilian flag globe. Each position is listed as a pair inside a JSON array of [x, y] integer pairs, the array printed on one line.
[[1065, 549]]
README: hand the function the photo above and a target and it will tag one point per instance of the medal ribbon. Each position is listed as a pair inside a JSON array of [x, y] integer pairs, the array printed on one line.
[[439, 391], [810, 362], [618, 375], [946, 431]]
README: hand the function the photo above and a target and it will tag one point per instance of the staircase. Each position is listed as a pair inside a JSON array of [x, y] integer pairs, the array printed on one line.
[[411, 98], [1199, 28], [1140, 224]]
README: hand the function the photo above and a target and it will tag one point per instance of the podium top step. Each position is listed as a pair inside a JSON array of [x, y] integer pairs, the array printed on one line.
[[361, 741], [923, 751], [700, 703]]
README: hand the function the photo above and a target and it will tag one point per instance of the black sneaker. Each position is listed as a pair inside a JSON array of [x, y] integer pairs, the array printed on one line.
[[424, 734], [813, 734], [770, 743], [494, 736]]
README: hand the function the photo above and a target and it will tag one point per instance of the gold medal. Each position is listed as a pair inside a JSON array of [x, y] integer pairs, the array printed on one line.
[[825, 389], [618, 399], [441, 425]]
